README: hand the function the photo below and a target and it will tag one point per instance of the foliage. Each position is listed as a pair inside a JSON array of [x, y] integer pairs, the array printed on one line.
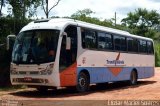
[[21, 7], [12, 88], [145, 23], [82, 13], [8, 26], [85, 15], [157, 54], [142, 22]]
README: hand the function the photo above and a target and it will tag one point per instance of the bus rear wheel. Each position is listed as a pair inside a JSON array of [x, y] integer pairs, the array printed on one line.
[[83, 82], [133, 78]]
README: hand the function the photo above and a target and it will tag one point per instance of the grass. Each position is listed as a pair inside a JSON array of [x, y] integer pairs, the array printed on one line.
[[12, 88]]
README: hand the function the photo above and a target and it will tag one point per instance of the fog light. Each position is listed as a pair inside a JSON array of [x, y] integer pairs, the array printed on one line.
[[14, 80]]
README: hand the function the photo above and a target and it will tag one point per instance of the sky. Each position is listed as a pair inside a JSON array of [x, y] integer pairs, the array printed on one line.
[[104, 9]]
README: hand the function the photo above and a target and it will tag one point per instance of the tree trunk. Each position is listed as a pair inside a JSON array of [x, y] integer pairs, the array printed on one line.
[[24, 9], [47, 8], [1, 8]]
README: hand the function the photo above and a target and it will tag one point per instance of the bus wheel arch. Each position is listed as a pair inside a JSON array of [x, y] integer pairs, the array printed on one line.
[[83, 81], [133, 77]]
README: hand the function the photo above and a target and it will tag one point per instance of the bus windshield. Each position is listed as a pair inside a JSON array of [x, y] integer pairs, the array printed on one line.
[[35, 47]]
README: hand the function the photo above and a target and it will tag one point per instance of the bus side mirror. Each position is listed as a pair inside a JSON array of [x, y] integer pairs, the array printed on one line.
[[68, 41], [10, 41]]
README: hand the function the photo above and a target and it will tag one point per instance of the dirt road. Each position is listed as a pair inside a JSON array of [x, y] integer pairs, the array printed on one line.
[[147, 89]]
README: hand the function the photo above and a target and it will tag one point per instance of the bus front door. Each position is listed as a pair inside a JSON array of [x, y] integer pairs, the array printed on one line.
[[67, 63]]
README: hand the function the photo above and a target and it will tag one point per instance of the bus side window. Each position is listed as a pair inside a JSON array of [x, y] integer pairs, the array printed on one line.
[[117, 42], [83, 38], [102, 40], [130, 44], [150, 47], [109, 42], [105, 41], [123, 44], [142, 46], [135, 45], [89, 39]]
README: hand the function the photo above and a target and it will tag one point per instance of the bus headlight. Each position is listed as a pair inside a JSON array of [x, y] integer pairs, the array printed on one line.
[[48, 70]]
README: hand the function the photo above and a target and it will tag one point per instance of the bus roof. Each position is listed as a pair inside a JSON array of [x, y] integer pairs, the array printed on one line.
[[61, 23]]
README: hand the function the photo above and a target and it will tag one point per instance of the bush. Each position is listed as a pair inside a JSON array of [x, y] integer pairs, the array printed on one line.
[[8, 26], [157, 54]]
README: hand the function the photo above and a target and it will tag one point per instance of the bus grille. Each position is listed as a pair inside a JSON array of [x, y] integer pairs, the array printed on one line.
[[30, 72], [34, 72], [22, 72]]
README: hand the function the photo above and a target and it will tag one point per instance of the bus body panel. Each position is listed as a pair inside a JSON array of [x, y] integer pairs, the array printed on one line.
[[100, 75], [95, 62]]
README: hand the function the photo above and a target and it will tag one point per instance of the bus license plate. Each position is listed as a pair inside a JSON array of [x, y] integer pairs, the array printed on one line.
[[28, 79]]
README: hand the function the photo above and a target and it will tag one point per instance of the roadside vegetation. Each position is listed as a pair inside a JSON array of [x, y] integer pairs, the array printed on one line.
[[12, 88]]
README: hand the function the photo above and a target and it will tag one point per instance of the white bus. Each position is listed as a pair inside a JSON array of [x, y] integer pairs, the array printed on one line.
[[66, 52]]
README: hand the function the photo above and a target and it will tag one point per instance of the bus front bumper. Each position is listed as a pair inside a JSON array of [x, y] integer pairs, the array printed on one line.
[[32, 80]]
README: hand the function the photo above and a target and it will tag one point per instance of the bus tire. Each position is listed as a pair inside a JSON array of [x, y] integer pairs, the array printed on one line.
[[133, 78], [83, 82]]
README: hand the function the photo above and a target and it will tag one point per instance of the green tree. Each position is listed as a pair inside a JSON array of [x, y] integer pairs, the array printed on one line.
[[142, 22], [157, 54], [21, 7], [82, 13], [85, 15]]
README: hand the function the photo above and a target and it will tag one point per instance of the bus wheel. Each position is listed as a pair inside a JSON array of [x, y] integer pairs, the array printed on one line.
[[133, 78], [83, 82], [42, 89]]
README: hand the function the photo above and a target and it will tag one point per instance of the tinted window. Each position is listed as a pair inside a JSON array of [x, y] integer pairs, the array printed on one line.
[[104, 41], [117, 42], [142, 46], [123, 44], [89, 39], [130, 44], [150, 47], [120, 43], [109, 42], [135, 45]]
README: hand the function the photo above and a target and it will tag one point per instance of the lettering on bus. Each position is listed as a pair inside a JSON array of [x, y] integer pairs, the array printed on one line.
[[116, 62]]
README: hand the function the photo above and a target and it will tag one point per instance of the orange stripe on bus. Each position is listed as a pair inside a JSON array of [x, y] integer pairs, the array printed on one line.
[[68, 77]]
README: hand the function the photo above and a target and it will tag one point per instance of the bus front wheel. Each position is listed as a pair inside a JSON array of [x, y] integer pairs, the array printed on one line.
[[133, 78], [83, 82]]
